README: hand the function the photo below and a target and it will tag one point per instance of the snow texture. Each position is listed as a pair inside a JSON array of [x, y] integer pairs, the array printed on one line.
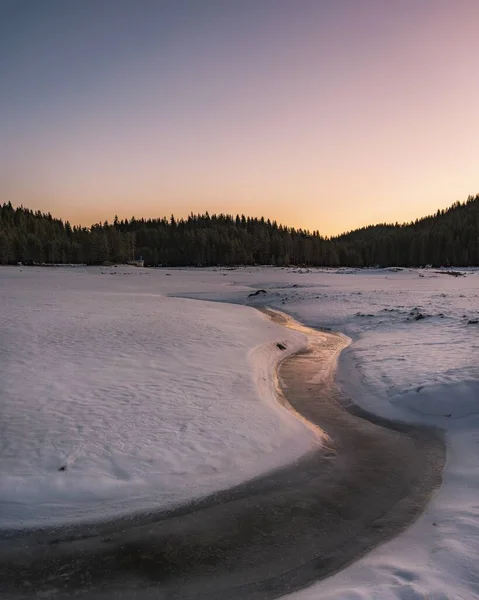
[[143, 394], [115, 400]]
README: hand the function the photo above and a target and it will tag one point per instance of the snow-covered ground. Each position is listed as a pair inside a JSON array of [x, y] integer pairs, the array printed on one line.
[[115, 398], [423, 370], [140, 393]]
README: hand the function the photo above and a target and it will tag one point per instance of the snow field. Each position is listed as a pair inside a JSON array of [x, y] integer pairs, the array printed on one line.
[[418, 370], [118, 401]]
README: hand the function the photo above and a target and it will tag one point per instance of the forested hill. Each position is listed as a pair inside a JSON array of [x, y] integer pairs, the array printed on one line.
[[450, 237]]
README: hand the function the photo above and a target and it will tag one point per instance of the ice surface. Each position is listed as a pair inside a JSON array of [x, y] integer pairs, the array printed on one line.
[[422, 370], [417, 370]]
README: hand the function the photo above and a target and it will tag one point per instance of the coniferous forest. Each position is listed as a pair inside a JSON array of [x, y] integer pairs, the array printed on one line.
[[450, 237]]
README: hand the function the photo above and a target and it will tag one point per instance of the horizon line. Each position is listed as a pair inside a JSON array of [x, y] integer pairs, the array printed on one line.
[[233, 216]]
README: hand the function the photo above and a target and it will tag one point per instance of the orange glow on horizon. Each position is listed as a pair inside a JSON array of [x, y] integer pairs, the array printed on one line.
[[320, 116]]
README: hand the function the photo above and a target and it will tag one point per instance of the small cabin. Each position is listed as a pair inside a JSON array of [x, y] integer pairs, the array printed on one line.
[[137, 263]]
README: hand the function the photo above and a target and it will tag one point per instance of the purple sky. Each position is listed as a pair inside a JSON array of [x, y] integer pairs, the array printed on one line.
[[322, 114]]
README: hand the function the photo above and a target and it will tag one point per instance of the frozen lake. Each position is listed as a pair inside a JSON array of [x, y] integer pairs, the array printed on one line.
[[121, 392]]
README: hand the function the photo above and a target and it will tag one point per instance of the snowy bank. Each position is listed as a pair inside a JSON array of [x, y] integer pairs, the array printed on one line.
[[275, 533], [116, 400]]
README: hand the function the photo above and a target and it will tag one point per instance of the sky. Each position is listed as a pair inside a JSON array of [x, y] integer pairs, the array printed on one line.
[[322, 114]]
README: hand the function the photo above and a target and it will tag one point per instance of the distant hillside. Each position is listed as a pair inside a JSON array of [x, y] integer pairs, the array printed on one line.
[[450, 237]]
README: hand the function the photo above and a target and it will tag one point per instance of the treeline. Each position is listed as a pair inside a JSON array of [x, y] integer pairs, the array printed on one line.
[[450, 237]]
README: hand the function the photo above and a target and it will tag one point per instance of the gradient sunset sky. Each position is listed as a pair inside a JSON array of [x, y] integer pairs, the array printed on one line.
[[323, 114]]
